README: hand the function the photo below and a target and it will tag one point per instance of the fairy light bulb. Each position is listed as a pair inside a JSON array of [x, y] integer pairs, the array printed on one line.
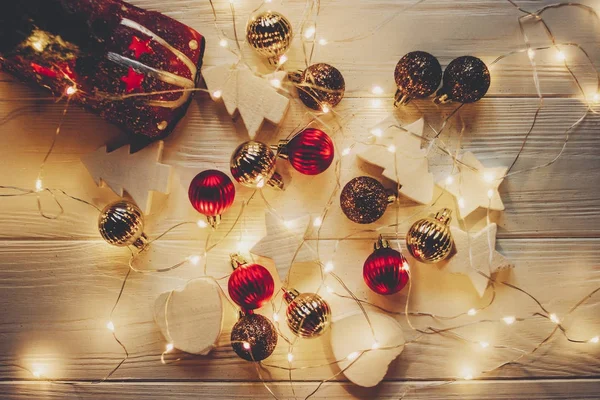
[[282, 59], [391, 148], [325, 108], [561, 56], [554, 318], [39, 185], [472, 312], [596, 97], [202, 224], [169, 347], [461, 202], [509, 320], [484, 345], [376, 103], [329, 289], [531, 53], [377, 90], [322, 42], [318, 222], [310, 32], [194, 259], [488, 177], [223, 43], [328, 267], [490, 194], [276, 83], [246, 345], [217, 94], [38, 45], [276, 317], [375, 345], [290, 357], [38, 370], [449, 180], [71, 90], [288, 224], [111, 326], [377, 132], [467, 374], [595, 339], [352, 356], [346, 151]]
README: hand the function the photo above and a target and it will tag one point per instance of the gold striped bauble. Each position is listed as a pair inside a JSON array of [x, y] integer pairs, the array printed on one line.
[[429, 239], [308, 315], [253, 165], [269, 34], [122, 224]]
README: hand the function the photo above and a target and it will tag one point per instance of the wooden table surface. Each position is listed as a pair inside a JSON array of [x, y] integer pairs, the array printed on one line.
[[59, 279]]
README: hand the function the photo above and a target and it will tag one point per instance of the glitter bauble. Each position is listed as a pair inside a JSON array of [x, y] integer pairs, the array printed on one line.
[[251, 285], [429, 240], [310, 152], [307, 314], [122, 224], [418, 74], [211, 192], [466, 80], [320, 86], [253, 165], [253, 337], [269, 34], [364, 200], [386, 270]]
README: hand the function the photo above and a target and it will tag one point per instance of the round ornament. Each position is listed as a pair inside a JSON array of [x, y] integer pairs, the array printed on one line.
[[308, 314], [386, 270], [122, 224], [253, 337], [269, 34], [320, 86], [429, 240], [310, 152], [418, 74], [211, 193], [364, 200], [466, 80], [253, 165], [250, 286]]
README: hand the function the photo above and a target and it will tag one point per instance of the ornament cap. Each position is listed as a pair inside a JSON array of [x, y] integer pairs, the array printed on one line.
[[391, 196], [276, 181], [237, 260], [381, 243], [442, 98], [213, 220], [290, 295], [444, 216], [401, 99], [280, 149], [295, 76], [141, 242]]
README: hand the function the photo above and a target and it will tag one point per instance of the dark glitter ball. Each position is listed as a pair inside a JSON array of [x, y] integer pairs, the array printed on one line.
[[258, 332], [319, 86], [364, 200], [466, 80], [418, 74]]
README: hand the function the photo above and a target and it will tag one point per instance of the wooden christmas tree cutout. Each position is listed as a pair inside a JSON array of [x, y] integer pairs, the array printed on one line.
[[137, 174]]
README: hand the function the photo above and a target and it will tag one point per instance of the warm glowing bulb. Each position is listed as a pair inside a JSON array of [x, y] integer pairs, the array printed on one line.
[[276, 317], [169, 347], [472, 312], [243, 247], [71, 90], [329, 289], [282, 59], [38, 45], [509, 320], [377, 132], [449, 180], [461, 202], [325, 109], [217, 94], [391, 148], [596, 97], [38, 185], [322, 42], [267, 1], [37, 374], [328, 267], [561, 56], [110, 326], [375, 345], [318, 222], [488, 177], [554, 318], [490, 193], [310, 32], [288, 224], [38, 370], [346, 151], [202, 224], [194, 259], [531, 53], [376, 103], [246, 345], [353, 356], [290, 357], [595, 339], [467, 374], [223, 43], [377, 90], [405, 266], [484, 345], [276, 83]]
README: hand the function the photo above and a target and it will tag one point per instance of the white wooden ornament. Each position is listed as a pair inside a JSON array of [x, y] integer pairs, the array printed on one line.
[[195, 316], [353, 334], [476, 253], [284, 242], [137, 174], [408, 164], [254, 97], [475, 186]]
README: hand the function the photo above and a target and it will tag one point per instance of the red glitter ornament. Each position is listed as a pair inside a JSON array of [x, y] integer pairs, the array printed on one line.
[[211, 192], [310, 152], [250, 286], [386, 270]]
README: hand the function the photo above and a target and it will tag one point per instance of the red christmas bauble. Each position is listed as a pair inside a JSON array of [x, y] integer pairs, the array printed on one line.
[[250, 286], [386, 270], [310, 152], [211, 193]]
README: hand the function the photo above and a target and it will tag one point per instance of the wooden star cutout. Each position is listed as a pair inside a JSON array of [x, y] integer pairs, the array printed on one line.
[[140, 46], [475, 186], [284, 240], [133, 80], [407, 164], [476, 253]]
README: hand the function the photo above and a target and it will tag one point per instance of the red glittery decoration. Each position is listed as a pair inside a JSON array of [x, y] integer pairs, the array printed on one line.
[[385, 272], [310, 152], [140, 46], [211, 192], [133, 80], [251, 286]]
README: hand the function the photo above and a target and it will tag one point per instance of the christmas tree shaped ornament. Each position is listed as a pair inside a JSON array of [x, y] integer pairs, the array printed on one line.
[[466, 80], [269, 34], [418, 74], [429, 239], [253, 165], [385, 271], [308, 314], [364, 200], [310, 152], [253, 337], [320, 86], [250, 285], [108, 56], [211, 193], [122, 224]]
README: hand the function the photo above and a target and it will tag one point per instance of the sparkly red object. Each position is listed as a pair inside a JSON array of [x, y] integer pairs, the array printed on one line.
[[250, 286], [310, 152], [211, 192], [91, 45], [386, 271]]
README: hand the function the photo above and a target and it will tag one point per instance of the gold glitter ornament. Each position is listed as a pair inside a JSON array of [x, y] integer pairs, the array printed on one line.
[[269, 34], [429, 239], [320, 86], [364, 200], [253, 165], [308, 315], [122, 224], [253, 337]]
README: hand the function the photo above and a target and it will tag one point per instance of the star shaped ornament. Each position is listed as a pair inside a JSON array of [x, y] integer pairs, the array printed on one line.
[[403, 160], [284, 243], [475, 186], [476, 253]]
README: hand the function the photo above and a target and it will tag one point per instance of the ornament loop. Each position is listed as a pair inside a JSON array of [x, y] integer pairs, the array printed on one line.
[[281, 149], [290, 295], [444, 216], [141, 242], [237, 260], [381, 243]]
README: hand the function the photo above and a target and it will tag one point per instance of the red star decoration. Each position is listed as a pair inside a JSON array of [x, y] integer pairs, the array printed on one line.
[[140, 46], [133, 80]]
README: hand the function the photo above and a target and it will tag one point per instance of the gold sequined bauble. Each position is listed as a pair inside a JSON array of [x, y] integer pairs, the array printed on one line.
[[466, 80], [269, 34], [429, 239], [320, 86], [122, 224], [364, 200], [418, 74], [253, 165], [253, 337], [308, 315]]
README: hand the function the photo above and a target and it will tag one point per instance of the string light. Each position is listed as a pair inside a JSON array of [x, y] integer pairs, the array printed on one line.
[[461, 202], [290, 357], [488, 177], [261, 183], [595, 339], [110, 326], [596, 97], [484, 345], [472, 312], [377, 132], [71, 90], [246, 345], [223, 43], [275, 317], [375, 345], [288, 224], [243, 247], [391, 148], [561, 56], [322, 42], [325, 108], [509, 320], [38, 45], [38, 185], [449, 180], [378, 90], [317, 222], [467, 374], [202, 224], [194, 259], [554, 318], [405, 266], [276, 83], [217, 94], [38, 370], [490, 193], [531, 53], [169, 347], [346, 151], [329, 289], [353, 356], [328, 267], [310, 32], [282, 59], [376, 103]]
